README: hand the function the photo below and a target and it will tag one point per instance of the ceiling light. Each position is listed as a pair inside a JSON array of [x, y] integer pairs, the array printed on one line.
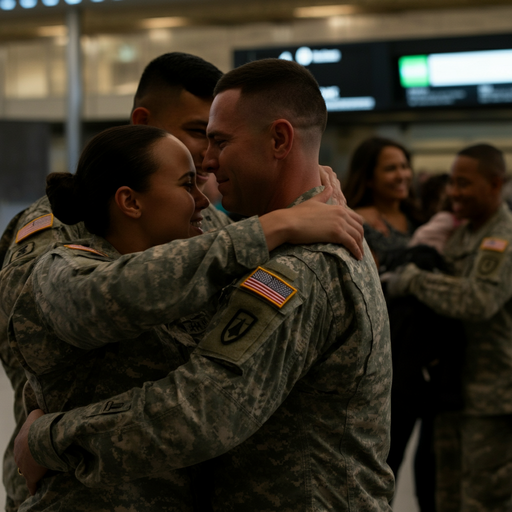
[[174, 21], [323, 11]]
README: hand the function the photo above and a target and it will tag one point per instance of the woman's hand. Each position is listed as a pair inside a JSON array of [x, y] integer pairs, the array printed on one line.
[[27, 466], [313, 221], [329, 179]]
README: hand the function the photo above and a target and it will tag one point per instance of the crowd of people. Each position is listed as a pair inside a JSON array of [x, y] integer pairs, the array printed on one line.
[[169, 356]]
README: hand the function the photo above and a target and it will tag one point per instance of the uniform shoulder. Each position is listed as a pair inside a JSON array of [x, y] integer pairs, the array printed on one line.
[[328, 262], [76, 254]]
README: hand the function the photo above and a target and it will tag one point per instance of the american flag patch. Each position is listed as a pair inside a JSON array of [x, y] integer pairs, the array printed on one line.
[[494, 244], [44, 222], [84, 248], [269, 286]]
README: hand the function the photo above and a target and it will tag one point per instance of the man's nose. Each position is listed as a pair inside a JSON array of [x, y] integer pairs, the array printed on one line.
[[210, 163]]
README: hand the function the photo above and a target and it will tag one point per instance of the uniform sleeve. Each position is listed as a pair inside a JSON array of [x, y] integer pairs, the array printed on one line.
[[476, 297], [241, 372], [88, 303]]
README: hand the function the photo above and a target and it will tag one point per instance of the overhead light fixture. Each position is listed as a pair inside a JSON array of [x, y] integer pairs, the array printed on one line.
[[323, 11], [52, 31], [173, 21]]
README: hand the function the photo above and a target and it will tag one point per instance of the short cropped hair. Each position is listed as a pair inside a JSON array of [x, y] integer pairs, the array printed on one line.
[[177, 71], [491, 162], [285, 88]]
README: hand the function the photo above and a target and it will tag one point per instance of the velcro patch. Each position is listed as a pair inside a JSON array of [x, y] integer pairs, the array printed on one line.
[[494, 244], [84, 248], [269, 286], [43, 222]]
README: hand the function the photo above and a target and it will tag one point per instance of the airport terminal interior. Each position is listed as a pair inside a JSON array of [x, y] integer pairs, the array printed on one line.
[[435, 75]]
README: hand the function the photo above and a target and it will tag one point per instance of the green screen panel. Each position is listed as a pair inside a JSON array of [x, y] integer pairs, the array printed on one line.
[[414, 71]]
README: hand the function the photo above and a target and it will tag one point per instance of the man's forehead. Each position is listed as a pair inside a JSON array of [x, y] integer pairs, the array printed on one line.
[[464, 165]]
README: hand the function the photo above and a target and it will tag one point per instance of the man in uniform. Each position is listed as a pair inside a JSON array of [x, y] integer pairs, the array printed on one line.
[[175, 93], [289, 390], [474, 449]]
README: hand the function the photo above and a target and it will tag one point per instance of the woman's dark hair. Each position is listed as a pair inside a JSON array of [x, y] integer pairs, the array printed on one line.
[[432, 195], [361, 169], [117, 157]]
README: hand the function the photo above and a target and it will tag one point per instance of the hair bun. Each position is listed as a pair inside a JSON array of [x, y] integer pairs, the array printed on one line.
[[62, 192]]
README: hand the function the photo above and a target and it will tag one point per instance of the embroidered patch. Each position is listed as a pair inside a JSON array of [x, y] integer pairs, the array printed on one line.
[[238, 326], [494, 244], [84, 248], [270, 287], [488, 264], [44, 222]]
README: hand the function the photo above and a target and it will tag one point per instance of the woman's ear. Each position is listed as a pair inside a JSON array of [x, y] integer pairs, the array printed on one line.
[[127, 202], [282, 134]]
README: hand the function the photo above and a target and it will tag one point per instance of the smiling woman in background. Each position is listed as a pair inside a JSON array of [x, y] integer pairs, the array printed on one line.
[[379, 189]]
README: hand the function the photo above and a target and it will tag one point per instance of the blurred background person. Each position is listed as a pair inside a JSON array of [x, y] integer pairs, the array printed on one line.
[[378, 187], [473, 448]]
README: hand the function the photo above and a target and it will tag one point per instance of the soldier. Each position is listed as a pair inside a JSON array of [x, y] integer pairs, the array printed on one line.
[[289, 388], [474, 448], [175, 94]]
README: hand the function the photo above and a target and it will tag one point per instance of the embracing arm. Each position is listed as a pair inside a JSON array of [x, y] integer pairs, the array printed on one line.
[[205, 408], [476, 297]]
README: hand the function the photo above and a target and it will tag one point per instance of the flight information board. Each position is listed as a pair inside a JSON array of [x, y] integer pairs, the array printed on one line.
[[350, 76], [458, 72]]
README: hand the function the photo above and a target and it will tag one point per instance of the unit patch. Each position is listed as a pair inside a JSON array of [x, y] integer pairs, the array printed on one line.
[[238, 326], [269, 286], [84, 248], [488, 264], [44, 222], [494, 244]]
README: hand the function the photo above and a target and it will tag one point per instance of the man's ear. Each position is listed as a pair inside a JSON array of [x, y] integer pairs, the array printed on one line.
[[140, 116], [127, 202], [282, 134]]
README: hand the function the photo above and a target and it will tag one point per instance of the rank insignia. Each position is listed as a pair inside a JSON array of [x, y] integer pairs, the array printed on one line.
[[84, 248], [269, 286], [44, 222], [238, 326], [494, 244]]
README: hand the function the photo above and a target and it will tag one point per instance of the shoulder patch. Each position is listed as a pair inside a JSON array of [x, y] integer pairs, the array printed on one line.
[[43, 222], [269, 286], [494, 244], [84, 248]]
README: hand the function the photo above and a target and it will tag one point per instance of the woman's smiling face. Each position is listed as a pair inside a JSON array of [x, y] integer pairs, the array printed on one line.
[[171, 207]]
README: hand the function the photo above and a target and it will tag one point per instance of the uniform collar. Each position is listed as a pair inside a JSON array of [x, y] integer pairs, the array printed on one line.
[[307, 195]]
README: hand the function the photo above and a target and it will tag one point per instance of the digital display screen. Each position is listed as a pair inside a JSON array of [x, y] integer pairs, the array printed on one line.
[[443, 73], [348, 75], [457, 78]]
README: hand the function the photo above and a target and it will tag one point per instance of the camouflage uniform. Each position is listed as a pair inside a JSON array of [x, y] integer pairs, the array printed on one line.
[[480, 294], [71, 362], [12, 281], [22, 255], [214, 219], [292, 400]]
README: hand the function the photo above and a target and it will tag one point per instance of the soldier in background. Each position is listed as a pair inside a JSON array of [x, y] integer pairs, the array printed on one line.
[[474, 448], [175, 93], [290, 386]]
